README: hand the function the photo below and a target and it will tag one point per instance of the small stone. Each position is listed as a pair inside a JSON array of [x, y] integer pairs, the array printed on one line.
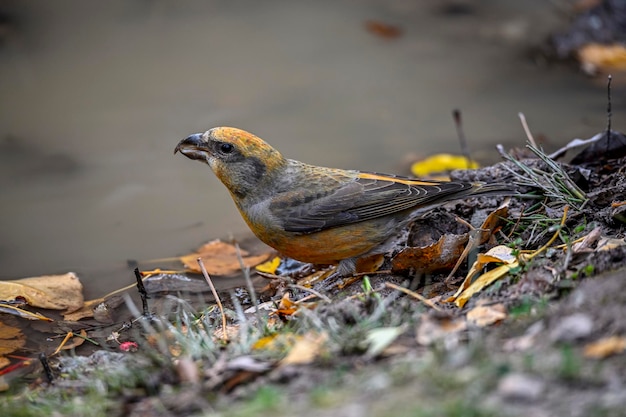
[[574, 327], [520, 387]]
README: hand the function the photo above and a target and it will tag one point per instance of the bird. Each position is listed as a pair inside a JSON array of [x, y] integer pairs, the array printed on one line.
[[316, 214]]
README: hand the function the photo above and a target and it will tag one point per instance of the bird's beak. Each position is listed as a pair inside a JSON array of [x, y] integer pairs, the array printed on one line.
[[193, 147]]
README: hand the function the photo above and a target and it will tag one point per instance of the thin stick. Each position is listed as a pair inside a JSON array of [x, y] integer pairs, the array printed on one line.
[[608, 113], [456, 115], [312, 291], [142, 293], [246, 274], [414, 295], [526, 129], [46, 367], [215, 295]]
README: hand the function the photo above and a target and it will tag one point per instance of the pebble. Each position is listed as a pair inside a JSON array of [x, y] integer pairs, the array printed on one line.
[[574, 327], [518, 386]]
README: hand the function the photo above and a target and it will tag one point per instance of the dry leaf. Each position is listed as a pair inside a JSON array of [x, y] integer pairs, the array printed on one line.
[[484, 315], [608, 346], [499, 254], [607, 243], [431, 330], [305, 349], [439, 163], [55, 292], [220, 258], [441, 255], [596, 58], [493, 220], [87, 310], [270, 266], [11, 339]]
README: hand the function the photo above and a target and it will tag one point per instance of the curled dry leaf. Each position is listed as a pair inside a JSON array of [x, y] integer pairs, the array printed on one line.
[[55, 292], [498, 254], [220, 258], [439, 256], [493, 221]]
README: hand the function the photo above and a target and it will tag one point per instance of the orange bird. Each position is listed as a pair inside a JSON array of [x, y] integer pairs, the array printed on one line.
[[316, 214]]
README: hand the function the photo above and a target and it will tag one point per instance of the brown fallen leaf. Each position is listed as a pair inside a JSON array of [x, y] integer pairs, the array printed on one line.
[[55, 292], [605, 347], [11, 339], [220, 258], [440, 255], [486, 315], [431, 330], [493, 221]]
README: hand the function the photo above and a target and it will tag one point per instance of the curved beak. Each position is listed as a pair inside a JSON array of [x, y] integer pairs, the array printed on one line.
[[193, 147]]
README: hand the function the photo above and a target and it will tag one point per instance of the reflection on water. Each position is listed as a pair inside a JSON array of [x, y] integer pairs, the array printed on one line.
[[95, 95]]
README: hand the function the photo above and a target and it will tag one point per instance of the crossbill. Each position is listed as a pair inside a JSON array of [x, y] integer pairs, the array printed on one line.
[[316, 214]]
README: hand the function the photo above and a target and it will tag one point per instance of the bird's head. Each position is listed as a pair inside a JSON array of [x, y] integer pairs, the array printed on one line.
[[239, 159]]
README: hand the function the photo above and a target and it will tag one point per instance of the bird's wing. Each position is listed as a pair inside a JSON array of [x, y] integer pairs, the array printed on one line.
[[365, 197]]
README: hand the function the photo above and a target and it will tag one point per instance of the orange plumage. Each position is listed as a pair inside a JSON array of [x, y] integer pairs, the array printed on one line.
[[317, 214]]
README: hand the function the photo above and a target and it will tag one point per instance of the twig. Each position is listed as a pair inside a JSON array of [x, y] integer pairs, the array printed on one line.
[[251, 290], [526, 129], [456, 115], [142, 293], [312, 291], [414, 295], [608, 114], [46, 367], [215, 295]]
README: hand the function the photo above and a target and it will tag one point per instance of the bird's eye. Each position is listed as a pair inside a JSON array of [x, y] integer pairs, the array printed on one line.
[[226, 147]]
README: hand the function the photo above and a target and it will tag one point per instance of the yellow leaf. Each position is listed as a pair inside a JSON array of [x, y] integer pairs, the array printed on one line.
[[305, 349], [270, 266], [442, 162], [483, 281], [502, 254]]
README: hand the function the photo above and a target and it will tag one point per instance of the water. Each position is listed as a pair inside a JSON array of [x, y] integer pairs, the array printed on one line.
[[95, 95]]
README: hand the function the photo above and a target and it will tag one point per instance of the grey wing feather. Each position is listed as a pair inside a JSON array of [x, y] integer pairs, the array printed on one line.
[[309, 211]]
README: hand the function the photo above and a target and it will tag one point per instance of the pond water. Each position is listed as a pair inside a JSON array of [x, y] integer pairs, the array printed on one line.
[[95, 95]]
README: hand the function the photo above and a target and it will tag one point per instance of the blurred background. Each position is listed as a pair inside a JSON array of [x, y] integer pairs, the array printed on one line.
[[95, 95]]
